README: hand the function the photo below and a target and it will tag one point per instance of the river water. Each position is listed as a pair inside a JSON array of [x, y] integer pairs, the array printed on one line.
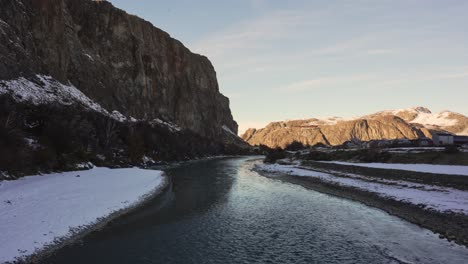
[[219, 211]]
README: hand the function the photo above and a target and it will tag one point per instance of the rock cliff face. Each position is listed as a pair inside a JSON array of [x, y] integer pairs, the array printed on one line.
[[118, 60], [394, 124], [281, 134]]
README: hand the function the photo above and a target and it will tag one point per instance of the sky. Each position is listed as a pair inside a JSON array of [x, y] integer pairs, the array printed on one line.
[[279, 60]]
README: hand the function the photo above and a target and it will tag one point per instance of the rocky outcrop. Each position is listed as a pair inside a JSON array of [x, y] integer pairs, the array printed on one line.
[[395, 124], [118, 60], [281, 134]]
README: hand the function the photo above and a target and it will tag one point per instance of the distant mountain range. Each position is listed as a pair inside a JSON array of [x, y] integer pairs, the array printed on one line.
[[407, 123]]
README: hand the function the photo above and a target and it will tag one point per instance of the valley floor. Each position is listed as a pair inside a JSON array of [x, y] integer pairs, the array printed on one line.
[[40, 212], [440, 208]]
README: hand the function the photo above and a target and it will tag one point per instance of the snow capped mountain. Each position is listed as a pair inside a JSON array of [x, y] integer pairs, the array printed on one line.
[[423, 117]]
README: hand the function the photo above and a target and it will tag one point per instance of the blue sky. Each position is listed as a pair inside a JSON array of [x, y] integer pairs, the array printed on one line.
[[293, 59]]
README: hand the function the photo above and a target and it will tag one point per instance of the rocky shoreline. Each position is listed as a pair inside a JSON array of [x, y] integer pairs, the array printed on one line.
[[451, 226]]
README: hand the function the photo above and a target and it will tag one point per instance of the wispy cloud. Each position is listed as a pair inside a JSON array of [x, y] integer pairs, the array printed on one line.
[[382, 51], [453, 75], [317, 83], [281, 38], [247, 36]]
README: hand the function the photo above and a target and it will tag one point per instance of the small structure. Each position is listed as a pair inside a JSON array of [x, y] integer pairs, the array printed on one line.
[[460, 140], [422, 142], [441, 139], [401, 142]]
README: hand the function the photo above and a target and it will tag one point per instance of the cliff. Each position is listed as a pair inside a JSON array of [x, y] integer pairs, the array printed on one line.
[[118, 60], [82, 81]]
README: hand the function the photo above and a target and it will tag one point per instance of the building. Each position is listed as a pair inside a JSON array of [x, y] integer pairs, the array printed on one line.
[[441, 139], [422, 142], [460, 140]]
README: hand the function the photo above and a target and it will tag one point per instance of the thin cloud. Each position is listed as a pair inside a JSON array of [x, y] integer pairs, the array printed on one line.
[[381, 51], [251, 35], [457, 75], [317, 83]]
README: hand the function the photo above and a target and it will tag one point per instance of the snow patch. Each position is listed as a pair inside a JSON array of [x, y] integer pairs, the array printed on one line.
[[88, 56], [326, 121], [118, 116], [48, 90], [147, 160], [225, 128], [441, 119], [32, 142], [38, 210], [424, 116], [436, 198], [428, 168], [171, 126]]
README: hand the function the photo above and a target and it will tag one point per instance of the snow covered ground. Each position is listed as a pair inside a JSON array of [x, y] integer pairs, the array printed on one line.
[[36, 210], [429, 168], [434, 197]]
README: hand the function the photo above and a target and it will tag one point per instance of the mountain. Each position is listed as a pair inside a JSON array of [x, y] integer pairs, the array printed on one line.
[[422, 117], [118, 60], [408, 123], [109, 84]]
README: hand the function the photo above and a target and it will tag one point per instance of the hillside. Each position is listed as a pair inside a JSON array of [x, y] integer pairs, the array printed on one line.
[[408, 123]]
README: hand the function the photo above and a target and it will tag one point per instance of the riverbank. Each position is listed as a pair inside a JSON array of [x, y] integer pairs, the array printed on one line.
[[43, 213], [440, 209]]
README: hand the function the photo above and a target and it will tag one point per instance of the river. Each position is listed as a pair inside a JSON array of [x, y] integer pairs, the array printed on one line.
[[219, 211]]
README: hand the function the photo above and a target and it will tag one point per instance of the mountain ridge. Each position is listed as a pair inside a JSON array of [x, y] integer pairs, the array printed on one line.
[[407, 123]]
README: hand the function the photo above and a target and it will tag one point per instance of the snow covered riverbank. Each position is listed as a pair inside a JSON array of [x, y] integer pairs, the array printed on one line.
[[437, 198], [429, 168], [37, 211]]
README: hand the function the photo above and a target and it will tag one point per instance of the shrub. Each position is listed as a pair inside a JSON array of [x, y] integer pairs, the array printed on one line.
[[319, 156], [274, 155], [451, 149], [295, 146]]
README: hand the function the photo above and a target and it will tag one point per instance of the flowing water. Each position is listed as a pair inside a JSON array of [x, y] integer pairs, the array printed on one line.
[[219, 211]]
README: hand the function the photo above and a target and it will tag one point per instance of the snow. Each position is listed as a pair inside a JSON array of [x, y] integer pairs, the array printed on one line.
[[147, 160], [440, 119], [425, 117], [38, 210], [32, 142], [436, 198], [88, 56], [429, 168], [171, 126], [48, 91], [225, 128], [118, 116], [326, 121], [415, 149]]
